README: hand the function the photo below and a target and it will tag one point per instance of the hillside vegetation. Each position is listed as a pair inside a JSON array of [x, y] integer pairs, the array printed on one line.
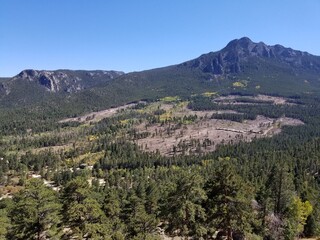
[[225, 146], [103, 171]]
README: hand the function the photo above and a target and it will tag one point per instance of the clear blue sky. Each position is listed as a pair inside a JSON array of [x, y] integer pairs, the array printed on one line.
[[133, 35]]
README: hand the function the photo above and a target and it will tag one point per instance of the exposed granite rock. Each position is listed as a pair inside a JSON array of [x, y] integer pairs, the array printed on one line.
[[67, 80], [238, 51]]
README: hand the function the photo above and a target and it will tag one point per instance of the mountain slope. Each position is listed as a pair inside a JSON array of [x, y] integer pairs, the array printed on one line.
[[272, 69], [237, 52], [242, 66], [31, 86], [66, 80]]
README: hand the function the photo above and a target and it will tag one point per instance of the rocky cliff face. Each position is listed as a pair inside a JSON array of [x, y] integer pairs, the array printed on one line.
[[67, 80], [230, 59]]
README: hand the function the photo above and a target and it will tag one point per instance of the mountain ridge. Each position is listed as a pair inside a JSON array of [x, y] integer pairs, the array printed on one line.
[[241, 66], [228, 59], [66, 80]]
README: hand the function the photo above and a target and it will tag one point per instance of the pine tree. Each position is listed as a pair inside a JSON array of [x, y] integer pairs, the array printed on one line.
[[263, 197], [281, 184], [184, 210], [4, 223], [35, 214], [229, 201], [112, 209], [152, 198], [139, 222], [82, 213]]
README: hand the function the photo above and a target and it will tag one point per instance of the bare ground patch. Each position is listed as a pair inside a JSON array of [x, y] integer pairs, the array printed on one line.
[[261, 98], [204, 135], [97, 116], [199, 136]]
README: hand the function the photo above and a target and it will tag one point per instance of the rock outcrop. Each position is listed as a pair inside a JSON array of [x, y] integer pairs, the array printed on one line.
[[231, 58], [67, 80]]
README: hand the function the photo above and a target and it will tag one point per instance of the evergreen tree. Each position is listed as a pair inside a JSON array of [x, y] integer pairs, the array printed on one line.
[[229, 201], [184, 207], [4, 224], [263, 199], [139, 222], [112, 209], [35, 213], [152, 198], [281, 184], [82, 213]]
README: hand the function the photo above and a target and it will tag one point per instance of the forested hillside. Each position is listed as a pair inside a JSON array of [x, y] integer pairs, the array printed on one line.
[[95, 178], [242, 66], [225, 146]]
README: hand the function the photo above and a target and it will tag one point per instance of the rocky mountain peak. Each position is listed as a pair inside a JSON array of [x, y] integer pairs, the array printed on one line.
[[244, 42], [28, 73], [66, 80], [231, 58], [48, 79], [244, 47]]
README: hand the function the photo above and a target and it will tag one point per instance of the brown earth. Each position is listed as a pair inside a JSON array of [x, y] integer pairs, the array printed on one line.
[[200, 136], [163, 138], [97, 116], [260, 97]]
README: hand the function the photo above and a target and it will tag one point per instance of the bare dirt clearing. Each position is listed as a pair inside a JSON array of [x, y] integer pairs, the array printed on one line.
[[259, 99], [97, 116], [200, 133], [205, 134]]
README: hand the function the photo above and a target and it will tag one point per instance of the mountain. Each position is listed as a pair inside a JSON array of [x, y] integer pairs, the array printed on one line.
[[34, 86], [230, 59], [66, 80], [242, 66]]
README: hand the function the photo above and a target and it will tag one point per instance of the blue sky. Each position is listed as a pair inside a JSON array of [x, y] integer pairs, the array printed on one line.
[[134, 35]]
